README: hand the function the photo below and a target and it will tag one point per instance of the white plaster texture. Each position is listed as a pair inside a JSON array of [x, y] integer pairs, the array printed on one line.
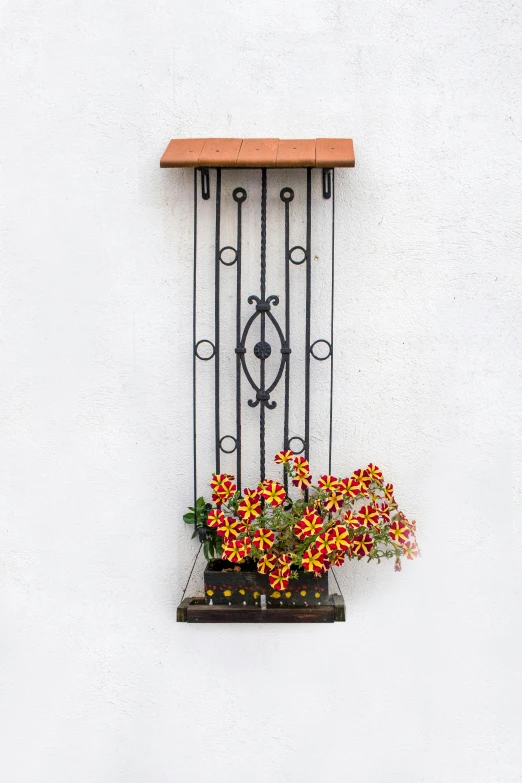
[[98, 682]]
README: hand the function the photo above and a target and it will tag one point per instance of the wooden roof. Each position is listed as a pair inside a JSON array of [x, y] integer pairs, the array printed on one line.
[[259, 153]]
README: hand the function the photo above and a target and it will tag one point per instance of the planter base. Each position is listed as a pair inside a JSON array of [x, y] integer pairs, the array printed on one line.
[[195, 610]]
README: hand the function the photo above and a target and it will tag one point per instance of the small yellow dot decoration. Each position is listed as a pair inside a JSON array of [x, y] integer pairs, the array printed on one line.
[[256, 594], [210, 592], [242, 592], [288, 594], [277, 594], [303, 592], [317, 595], [227, 593]]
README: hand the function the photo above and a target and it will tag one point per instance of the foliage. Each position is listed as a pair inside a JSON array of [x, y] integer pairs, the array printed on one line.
[[330, 521]]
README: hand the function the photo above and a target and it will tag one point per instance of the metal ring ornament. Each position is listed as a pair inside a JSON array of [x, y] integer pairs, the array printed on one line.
[[239, 195], [286, 195], [223, 449], [321, 358], [205, 358], [296, 437], [295, 261], [228, 263]]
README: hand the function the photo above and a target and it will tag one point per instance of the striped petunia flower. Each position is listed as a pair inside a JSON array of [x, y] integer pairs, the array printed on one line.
[[384, 511], [313, 560], [233, 550], [278, 578], [410, 550], [284, 561], [231, 528], [302, 481], [266, 563], [334, 502], [223, 491], [399, 531], [362, 545], [337, 558], [263, 538], [375, 473], [351, 521], [246, 545], [363, 477], [250, 506], [309, 525], [340, 538], [369, 517], [324, 542], [398, 565], [215, 518], [388, 491], [351, 487], [273, 492], [301, 466], [283, 457], [328, 482]]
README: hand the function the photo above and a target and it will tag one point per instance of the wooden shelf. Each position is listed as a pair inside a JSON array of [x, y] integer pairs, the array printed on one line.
[[195, 610], [259, 153]]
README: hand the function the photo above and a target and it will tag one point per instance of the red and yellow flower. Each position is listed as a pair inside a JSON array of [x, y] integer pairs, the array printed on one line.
[[399, 531], [384, 511], [362, 545], [363, 477], [313, 560], [233, 550], [351, 487], [337, 559], [351, 521], [246, 544], [328, 482], [223, 487], [388, 491], [230, 527], [302, 481], [301, 466], [266, 563], [309, 525], [250, 506], [339, 537], [263, 538], [215, 518], [368, 516], [410, 550], [398, 564], [273, 492], [375, 473], [283, 457], [278, 578], [334, 502], [285, 561], [324, 542]]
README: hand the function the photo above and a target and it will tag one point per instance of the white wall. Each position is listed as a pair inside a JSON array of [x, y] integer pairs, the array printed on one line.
[[99, 684]]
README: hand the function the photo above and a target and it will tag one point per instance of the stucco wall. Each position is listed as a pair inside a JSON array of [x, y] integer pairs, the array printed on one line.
[[99, 684]]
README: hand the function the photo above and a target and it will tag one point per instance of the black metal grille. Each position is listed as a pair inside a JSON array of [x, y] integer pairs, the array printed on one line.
[[252, 365]]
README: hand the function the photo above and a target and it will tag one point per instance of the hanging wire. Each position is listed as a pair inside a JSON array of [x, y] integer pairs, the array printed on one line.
[[191, 571], [338, 585]]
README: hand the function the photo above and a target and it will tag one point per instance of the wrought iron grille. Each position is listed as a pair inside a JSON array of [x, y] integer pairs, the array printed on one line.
[[267, 310]]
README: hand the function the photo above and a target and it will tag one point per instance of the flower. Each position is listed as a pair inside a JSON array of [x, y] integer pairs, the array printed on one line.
[[233, 550], [351, 487], [309, 525], [398, 565], [363, 477], [362, 545], [339, 537], [351, 521], [215, 518], [302, 481], [328, 482], [368, 516], [334, 502], [301, 466], [324, 543], [273, 492], [375, 473], [399, 531], [313, 560], [230, 528], [278, 578], [283, 456], [285, 561], [250, 507], [246, 545], [388, 491], [219, 478], [223, 492], [266, 563], [337, 559], [263, 538], [384, 511], [410, 550]]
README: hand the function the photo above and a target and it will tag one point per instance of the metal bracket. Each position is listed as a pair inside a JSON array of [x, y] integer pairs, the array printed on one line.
[[205, 184], [327, 183]]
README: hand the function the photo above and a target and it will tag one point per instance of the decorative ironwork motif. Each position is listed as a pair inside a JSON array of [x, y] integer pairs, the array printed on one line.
[[263, 314]]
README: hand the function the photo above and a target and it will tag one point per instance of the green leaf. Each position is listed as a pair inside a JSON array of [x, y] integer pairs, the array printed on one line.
[[188, 518]]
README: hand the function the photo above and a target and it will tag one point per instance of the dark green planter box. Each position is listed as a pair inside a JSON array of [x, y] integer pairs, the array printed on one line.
[[245, 588]]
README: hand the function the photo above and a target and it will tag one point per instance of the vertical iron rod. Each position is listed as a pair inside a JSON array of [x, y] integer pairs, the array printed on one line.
[[308, 307], [287, 333], [238, 340], [332, 323], [216, 314], [263, 296], [194, 289]]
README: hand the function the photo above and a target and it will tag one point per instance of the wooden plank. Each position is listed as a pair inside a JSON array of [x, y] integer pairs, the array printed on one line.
[[293, 153], [181, 153], [258, 153], [181, 612], [203, 613], [332, 153], [220, 152]]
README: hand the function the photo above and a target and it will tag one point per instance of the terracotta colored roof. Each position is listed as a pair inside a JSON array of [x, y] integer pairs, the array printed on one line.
[[259, 153]]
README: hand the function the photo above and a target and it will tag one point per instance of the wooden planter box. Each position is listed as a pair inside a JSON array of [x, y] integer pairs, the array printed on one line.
[[247, 588]]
